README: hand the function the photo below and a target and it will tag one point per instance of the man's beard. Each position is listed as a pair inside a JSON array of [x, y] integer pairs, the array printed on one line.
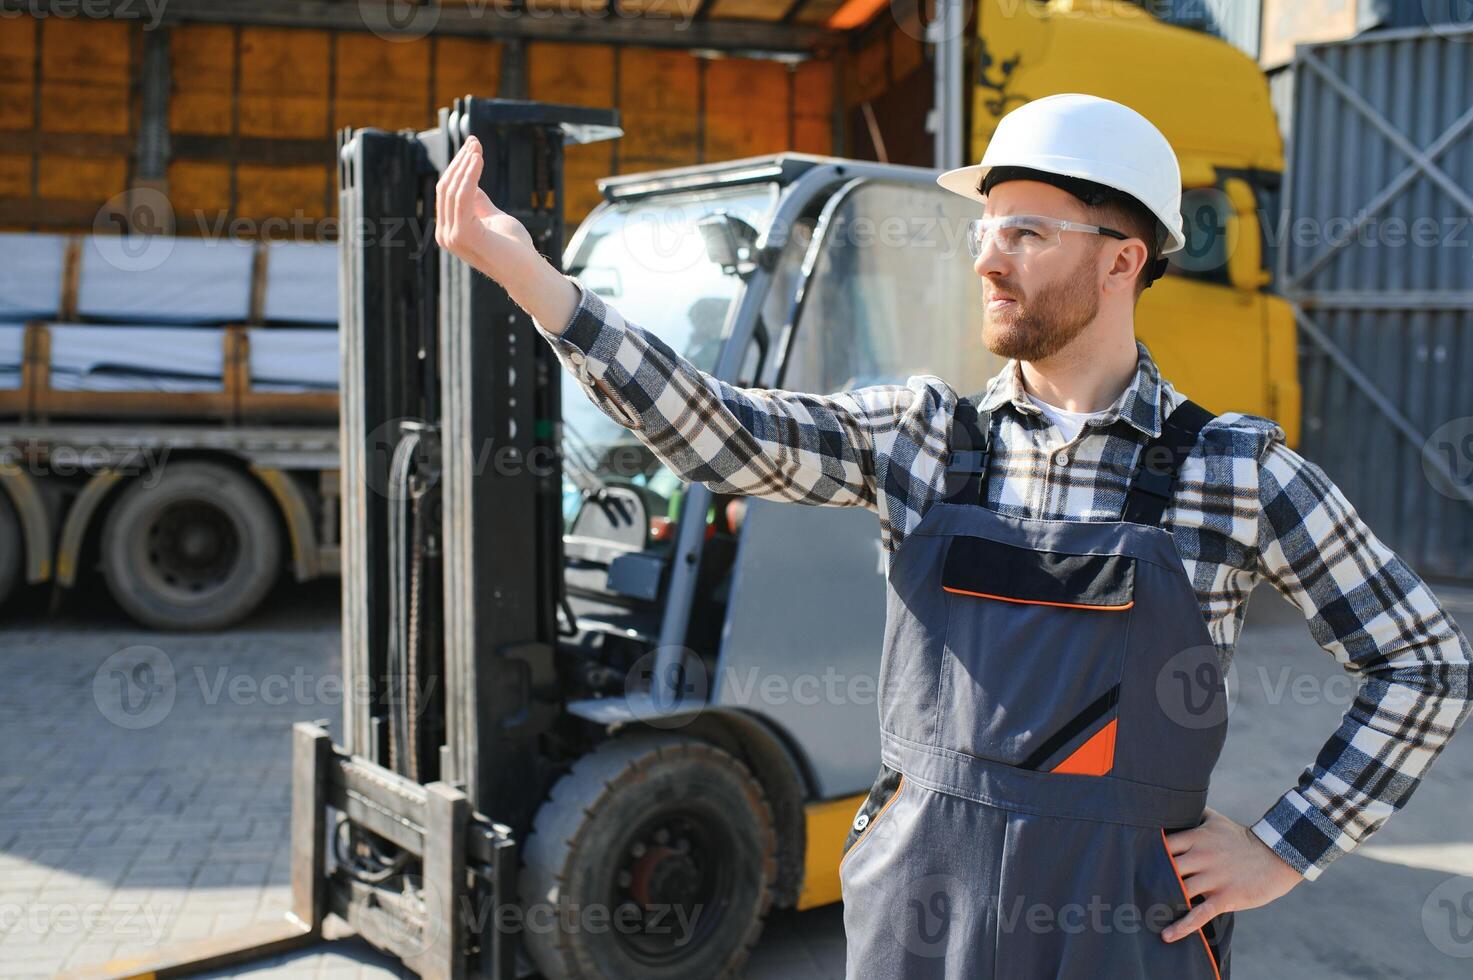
[[1036, 327]]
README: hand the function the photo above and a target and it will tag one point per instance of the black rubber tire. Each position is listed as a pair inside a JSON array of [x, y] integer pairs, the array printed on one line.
[[12, 549], [150, 589], [573, 857]]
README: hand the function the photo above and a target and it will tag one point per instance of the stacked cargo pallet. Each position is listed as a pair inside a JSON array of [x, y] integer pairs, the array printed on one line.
[[106, 326]]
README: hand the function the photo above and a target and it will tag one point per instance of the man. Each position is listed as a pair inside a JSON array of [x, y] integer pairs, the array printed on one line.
[[1069, 555]]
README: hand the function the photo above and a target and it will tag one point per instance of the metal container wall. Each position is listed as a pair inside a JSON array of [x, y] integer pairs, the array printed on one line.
[[1379, 261], [1238, 22], [1420, 13], [1281, 95]]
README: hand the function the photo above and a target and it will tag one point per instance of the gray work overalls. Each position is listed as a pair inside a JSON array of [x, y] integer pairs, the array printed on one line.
[[1051, 706]]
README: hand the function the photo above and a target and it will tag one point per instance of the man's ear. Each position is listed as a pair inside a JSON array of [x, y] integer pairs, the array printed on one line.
[[1130, 256]]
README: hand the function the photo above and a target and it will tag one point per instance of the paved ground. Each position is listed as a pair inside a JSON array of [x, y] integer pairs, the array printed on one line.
[[167, 819]]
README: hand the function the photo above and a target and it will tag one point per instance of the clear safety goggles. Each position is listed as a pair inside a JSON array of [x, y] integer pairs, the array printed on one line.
[[1026, 234]]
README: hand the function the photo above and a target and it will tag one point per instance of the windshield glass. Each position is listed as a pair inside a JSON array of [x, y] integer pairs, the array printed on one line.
[[648, 260]]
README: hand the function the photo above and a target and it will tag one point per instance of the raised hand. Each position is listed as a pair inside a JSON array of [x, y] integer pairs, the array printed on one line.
[[470, 226]]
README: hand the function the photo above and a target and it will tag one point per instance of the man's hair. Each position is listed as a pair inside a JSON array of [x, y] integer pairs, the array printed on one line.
[[1106, 207]]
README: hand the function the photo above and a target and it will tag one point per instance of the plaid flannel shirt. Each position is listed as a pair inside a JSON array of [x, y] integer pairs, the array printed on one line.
[[1245, 507]]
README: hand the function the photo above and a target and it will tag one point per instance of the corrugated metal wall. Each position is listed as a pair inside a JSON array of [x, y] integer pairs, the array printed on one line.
[[1387, 329], [1281, 95], [1237, 22], [1420, 13], [1241, 22]]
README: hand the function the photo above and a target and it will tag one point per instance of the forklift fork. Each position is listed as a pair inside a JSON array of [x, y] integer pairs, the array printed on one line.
[[465, 882]]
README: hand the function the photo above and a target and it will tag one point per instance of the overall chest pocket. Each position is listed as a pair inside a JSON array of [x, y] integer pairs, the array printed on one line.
[[1034, 654]]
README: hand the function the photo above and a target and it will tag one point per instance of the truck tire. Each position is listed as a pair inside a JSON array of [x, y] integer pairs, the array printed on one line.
[[197, 550], [12, 548], [655, 857]]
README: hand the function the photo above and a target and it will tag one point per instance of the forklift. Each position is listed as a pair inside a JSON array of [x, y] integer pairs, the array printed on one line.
[[613, 767], [601, 721]]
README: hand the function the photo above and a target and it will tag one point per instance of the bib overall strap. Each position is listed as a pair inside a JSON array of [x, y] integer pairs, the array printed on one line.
[[1150, 487], [971, 444]]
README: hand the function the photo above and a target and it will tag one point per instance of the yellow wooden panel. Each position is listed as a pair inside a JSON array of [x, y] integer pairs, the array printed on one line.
[[575, 74], [357, 112], [582, 167], [818, 11], [16, 106], [813, 136], [813, 107], [83, 178], [369, 66], [679, 11], [283, 82], [381, 82], [746, 108], [768, 10], [906, 54], [17, 61], [85, 76], [200, 193], [868, 74], [658, 105], [17, 49], [82, 50], [202, 61], [292, 193], [15, 176], [81, 107], [465, 66], [569, 6]]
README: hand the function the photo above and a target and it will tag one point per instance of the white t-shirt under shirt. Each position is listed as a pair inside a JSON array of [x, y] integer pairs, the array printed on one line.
[[1068, 422]]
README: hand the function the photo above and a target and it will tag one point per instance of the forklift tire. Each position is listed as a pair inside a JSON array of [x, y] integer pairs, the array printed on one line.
[[12, 557], [655, 857], [197, 550]]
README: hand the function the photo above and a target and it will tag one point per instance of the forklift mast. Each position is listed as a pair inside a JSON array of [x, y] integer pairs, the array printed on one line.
[[452, 502], [450, 420]]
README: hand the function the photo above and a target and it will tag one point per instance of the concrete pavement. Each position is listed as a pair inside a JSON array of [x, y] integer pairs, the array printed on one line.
[[168, 823]]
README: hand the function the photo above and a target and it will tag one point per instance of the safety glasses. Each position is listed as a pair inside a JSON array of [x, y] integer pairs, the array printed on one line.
[[1026, 234]]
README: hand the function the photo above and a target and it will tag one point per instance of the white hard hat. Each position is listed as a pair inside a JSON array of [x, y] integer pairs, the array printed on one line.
[[1086, 137]]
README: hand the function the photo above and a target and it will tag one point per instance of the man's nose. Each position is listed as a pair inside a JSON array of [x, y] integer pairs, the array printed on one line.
[[991, 260]]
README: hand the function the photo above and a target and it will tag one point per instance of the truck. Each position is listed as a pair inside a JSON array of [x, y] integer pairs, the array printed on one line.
[[581, 683], [168, 415]]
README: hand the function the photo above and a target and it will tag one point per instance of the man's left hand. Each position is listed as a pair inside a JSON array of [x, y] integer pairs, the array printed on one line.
[[1228, 865]]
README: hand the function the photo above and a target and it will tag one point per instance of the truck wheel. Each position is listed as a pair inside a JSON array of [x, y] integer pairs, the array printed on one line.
[[197, 550], [12, 557], [655, 857]]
